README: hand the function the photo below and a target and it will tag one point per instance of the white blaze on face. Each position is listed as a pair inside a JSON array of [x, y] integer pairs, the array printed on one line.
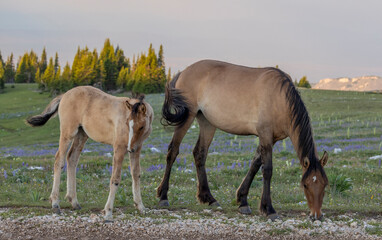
[[314, 178], [131, 134]]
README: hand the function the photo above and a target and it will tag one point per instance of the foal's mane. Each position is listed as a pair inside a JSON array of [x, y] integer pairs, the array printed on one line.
[[136, 106], [301, 123]]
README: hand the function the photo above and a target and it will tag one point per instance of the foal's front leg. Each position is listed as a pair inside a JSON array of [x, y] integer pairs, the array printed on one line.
[[119, 153], [136, 175]]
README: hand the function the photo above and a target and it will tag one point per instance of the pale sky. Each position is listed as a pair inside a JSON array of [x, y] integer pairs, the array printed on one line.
[[319, 39]]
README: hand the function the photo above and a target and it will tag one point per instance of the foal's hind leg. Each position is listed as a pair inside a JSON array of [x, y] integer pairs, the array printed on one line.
[[206, 135], [173, 151], [72, 160], [65, 140], [242, 191]]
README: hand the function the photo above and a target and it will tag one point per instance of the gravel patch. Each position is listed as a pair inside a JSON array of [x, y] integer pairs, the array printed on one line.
[[182, 224]]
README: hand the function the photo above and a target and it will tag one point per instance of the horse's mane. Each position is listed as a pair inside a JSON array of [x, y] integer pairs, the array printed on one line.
[[301, 123], [136, 106]]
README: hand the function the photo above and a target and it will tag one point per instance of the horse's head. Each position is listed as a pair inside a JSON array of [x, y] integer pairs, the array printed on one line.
[[139, 122], [314, 181]]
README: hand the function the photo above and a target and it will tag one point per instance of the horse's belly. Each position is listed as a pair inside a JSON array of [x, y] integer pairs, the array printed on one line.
[[99, 134], [240, 124]]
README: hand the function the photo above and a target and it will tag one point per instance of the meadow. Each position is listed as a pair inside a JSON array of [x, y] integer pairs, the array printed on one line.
[[346, 124]]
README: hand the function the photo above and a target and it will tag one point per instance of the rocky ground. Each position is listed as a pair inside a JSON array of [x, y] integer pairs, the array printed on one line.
[[183, 224]]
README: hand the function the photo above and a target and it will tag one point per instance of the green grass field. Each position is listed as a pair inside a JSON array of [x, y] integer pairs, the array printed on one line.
[[349, 121]]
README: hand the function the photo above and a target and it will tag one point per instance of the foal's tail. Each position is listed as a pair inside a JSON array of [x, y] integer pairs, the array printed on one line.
[[50, 111], [175, 108]]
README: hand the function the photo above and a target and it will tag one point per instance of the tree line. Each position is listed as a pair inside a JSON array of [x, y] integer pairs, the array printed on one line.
[[109, 70]]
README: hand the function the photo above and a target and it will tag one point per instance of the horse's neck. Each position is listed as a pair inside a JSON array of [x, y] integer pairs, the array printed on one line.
[[294, 136]]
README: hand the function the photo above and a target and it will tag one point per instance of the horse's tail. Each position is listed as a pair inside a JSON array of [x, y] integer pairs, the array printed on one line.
[[175, 110], [50, 111]]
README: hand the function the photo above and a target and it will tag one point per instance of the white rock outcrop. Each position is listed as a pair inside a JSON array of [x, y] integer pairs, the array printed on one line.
[[366, 83]]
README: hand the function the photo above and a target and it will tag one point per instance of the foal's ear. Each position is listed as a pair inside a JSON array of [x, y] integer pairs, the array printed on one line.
[[142, 108], [129, 106], [306, 163], [324, 159]]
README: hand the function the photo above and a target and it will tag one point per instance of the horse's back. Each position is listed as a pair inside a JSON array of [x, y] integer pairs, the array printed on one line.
[[96, 111], [236, 99]]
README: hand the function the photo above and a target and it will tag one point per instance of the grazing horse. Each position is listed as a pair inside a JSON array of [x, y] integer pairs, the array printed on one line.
[[87, 112], [243, 101]]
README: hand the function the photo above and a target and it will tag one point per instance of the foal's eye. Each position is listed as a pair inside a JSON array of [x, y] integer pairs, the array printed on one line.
[[305, 186], [140, 129]]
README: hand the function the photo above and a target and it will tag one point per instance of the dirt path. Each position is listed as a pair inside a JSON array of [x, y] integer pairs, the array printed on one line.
[[164, 224]]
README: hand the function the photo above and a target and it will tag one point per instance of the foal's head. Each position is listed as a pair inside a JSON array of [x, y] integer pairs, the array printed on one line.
[[314, 181], [139, 122]]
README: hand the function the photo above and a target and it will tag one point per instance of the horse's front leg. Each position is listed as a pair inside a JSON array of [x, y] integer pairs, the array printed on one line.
[[119, 153], [242, 191], [266, 201], [136, 176]]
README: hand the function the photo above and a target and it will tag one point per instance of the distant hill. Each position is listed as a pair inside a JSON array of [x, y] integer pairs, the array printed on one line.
[[367, 83]]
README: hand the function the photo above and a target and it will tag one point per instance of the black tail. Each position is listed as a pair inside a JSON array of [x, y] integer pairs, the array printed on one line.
[[175, 108], [49, 112]]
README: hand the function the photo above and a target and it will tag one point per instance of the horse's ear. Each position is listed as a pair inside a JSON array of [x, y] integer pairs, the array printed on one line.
[[129, 106], [324, 159], [142, 108], [306, 163]]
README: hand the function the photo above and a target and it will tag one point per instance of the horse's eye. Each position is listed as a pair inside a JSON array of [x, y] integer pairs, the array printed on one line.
[[140, 129], [305, 186]]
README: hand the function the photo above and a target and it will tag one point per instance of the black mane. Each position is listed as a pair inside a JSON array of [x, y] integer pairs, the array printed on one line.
[[301, 123], [136, 106]]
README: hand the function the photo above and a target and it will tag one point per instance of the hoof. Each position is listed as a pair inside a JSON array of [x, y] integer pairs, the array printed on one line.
[[77, 207], [163, 203], [108, 221], [214, 204], [56, 210], [321, 218], [274, 217], [245, 210]]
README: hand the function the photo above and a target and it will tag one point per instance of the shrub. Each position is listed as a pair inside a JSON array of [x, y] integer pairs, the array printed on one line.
[[339, 183]]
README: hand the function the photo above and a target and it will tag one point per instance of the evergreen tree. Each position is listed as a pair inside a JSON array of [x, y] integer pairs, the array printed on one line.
[[22, 69], [9, 71], [304, 82], [160, 56], [38, 79], [33, 66], [56, 63], [169, 77], [48, 75], [109, 66], [65, 80], [1, 60], [43, 62], [121, 59], [1, 75], [84, 70]]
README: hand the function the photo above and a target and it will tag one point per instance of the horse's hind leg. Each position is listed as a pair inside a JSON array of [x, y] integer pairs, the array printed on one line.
[[206, 135], [173, 151], [72, 161], [65, 140], [242, 191]]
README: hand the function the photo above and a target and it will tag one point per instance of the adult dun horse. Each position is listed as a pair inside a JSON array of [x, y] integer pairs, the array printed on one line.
[[243, 101], [87, 112]]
